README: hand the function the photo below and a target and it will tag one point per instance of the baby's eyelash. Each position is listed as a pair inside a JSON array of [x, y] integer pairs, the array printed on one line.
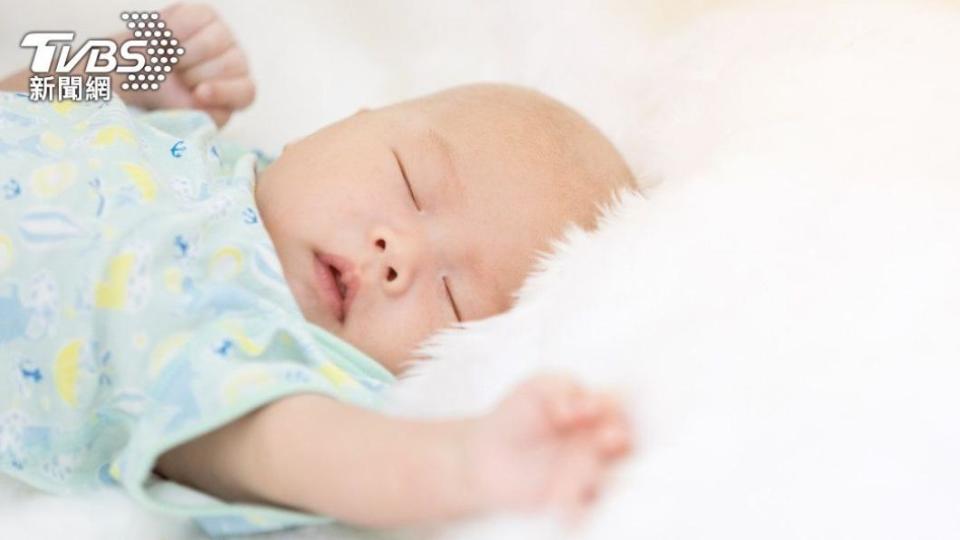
[[406, 181], [456, 311], [413, 197]]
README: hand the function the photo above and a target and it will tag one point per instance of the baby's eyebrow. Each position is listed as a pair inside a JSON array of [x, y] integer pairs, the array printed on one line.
[[450, 189]]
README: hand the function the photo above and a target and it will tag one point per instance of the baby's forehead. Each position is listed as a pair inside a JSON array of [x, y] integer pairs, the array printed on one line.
[[492, 155]]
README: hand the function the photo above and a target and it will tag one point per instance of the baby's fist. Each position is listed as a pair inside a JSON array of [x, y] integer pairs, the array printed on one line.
[[212, 75], [548, 443]]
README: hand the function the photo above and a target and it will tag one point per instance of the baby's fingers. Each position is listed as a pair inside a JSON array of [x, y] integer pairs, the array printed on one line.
[[567, 402], [577, 484], [234, 94], [229, 65], [199, 30], [614, 441], [219, 116], [612, 432]]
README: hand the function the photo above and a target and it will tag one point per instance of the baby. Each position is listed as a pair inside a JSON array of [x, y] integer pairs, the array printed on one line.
[[386, 227]]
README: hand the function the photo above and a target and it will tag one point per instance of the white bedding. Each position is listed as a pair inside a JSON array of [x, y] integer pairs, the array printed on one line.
[[781, 312]]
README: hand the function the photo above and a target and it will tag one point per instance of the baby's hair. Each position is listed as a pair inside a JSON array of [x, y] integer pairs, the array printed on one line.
[[590, 170], [586, 169]]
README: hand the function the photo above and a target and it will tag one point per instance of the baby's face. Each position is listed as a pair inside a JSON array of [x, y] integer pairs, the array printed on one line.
[[430, 214]]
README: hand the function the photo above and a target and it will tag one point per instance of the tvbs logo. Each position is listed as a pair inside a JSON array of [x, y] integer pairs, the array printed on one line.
[[145, 60], [101, 54]]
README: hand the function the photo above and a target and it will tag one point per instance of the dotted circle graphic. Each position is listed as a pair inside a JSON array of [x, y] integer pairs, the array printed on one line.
[[163, 49]]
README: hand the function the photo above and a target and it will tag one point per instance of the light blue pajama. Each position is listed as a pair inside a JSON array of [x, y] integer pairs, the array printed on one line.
[[142, 304]]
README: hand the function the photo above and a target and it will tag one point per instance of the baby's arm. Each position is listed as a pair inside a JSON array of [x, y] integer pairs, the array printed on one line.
[[313, 453], [549, 442]]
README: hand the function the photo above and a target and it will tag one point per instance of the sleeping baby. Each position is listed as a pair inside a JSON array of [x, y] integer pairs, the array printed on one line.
[[213, 331]]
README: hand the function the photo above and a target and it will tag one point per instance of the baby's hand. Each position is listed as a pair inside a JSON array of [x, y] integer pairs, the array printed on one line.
[[548, 443], [212, 75]]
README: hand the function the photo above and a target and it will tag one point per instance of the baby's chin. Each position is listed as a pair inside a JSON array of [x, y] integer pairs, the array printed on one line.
[[312, 310]]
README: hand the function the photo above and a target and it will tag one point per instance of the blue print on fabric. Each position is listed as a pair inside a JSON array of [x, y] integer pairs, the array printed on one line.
[[14, 317], [11, 189], [178, 149]]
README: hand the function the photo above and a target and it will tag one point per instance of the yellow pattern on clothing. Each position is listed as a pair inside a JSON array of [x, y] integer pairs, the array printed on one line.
[[336, 375], [235, 330], [141, 178], [112, 293], [52, 141], [173, 279], [226, 262], [52, 180], [165, 351], [109, 136], [247, 380], [63, 108], [66, 370]]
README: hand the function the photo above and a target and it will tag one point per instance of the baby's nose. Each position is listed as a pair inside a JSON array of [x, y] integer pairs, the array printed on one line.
[[399, 259]]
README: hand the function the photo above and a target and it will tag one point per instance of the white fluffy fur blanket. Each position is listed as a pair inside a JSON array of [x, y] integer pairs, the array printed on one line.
[[782, 311]]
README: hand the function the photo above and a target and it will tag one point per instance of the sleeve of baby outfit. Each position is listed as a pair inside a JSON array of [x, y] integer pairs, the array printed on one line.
[[209, 377]]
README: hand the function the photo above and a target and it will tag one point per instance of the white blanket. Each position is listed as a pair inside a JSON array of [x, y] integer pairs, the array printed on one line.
[[781, 312]]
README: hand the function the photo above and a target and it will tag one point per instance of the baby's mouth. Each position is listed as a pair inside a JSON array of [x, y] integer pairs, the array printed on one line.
[[340, 286], [336, 282]]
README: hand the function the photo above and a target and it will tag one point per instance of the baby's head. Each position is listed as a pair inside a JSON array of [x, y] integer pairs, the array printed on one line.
[[431, 210]]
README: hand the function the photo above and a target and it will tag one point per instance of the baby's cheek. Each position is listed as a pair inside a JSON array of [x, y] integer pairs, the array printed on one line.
[[400, 330]]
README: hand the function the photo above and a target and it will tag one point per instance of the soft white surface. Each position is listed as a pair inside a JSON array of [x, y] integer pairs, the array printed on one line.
[[781, 313]]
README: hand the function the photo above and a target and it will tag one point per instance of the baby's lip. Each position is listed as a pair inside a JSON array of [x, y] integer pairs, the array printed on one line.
[[345, 275]]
